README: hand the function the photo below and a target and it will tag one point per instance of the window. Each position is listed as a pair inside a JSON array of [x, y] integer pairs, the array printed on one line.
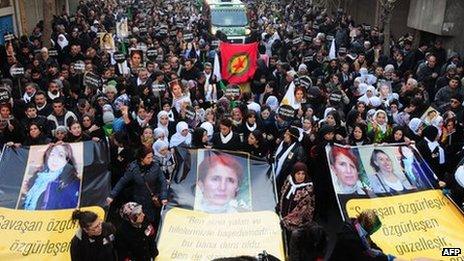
[[229, 17]]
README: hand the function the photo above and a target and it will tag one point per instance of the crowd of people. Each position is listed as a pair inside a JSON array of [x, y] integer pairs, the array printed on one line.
[[146, 106]]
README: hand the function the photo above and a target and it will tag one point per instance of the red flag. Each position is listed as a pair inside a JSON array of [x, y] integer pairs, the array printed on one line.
[[238, 61]]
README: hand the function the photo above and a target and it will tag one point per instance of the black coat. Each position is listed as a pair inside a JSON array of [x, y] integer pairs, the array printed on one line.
[[296, 154], [136, 243], [143, 178], [350, 247], [233, 144], [96, 248]]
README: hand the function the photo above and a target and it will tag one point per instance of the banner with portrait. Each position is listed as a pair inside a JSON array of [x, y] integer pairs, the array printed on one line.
[[418, 220], [54, 176], [220, 196]]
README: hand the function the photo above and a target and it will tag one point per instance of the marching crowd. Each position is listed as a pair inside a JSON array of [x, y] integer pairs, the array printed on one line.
[[353, 94]]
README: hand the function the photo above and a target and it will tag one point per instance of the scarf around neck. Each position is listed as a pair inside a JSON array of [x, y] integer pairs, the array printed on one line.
[[227, 138], [294, 186]]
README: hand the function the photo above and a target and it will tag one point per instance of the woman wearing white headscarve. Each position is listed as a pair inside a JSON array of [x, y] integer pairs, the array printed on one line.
[[272, 102], [378, 129], [160, 134], [182, 135], [164, 158], [163, 122], [370, 98]]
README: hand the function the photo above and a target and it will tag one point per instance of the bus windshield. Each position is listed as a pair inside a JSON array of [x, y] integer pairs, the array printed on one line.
[[228, 17]]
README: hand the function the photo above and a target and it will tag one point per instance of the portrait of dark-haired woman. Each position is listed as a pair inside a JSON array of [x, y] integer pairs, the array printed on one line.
[[56, 184]]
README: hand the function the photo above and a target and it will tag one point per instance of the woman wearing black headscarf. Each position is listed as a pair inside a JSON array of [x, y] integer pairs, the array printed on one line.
[[431, 150], [287, 154], [199, 138]]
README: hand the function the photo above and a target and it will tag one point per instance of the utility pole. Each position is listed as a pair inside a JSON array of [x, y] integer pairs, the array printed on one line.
[[386, 11], [48, 13]]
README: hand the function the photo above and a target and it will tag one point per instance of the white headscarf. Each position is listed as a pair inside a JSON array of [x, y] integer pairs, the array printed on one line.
[[177, 138], [383, 127], [157, 134], [158, 146], [164, 127], [414, 125], [373, 101], [272, 102], [209, 129]]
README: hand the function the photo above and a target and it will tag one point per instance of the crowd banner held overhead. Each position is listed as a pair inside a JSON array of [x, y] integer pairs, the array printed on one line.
[[199, 224], [418, 220], [238, 61]]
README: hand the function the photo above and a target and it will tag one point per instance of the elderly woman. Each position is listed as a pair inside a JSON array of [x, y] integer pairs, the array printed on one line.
[[135, 238], [345, 167], [296, 204], [385, 180]]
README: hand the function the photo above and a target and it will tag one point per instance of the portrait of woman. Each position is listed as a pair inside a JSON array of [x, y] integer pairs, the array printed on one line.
[[222, 185], [136, 59], [345, 170], [386, 179], [54, 185], [107, 42]]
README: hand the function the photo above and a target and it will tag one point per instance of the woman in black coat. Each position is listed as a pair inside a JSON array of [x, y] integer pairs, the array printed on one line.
[[94, 239], [287, 154], [148, 183], [256, 145], [135, 238]]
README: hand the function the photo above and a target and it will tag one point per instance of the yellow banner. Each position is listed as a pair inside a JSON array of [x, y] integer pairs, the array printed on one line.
[[37, 235], [192, 235], [414, 225]]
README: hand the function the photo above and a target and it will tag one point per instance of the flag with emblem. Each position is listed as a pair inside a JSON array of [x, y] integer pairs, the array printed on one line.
[[238, 61]]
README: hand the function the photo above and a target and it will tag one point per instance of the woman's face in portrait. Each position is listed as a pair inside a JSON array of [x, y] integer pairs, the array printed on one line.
[[220, 185], [300, 177], [384, 163], [346, 170], [136, 59], [299, 95], [176, 90], [57, 158]]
